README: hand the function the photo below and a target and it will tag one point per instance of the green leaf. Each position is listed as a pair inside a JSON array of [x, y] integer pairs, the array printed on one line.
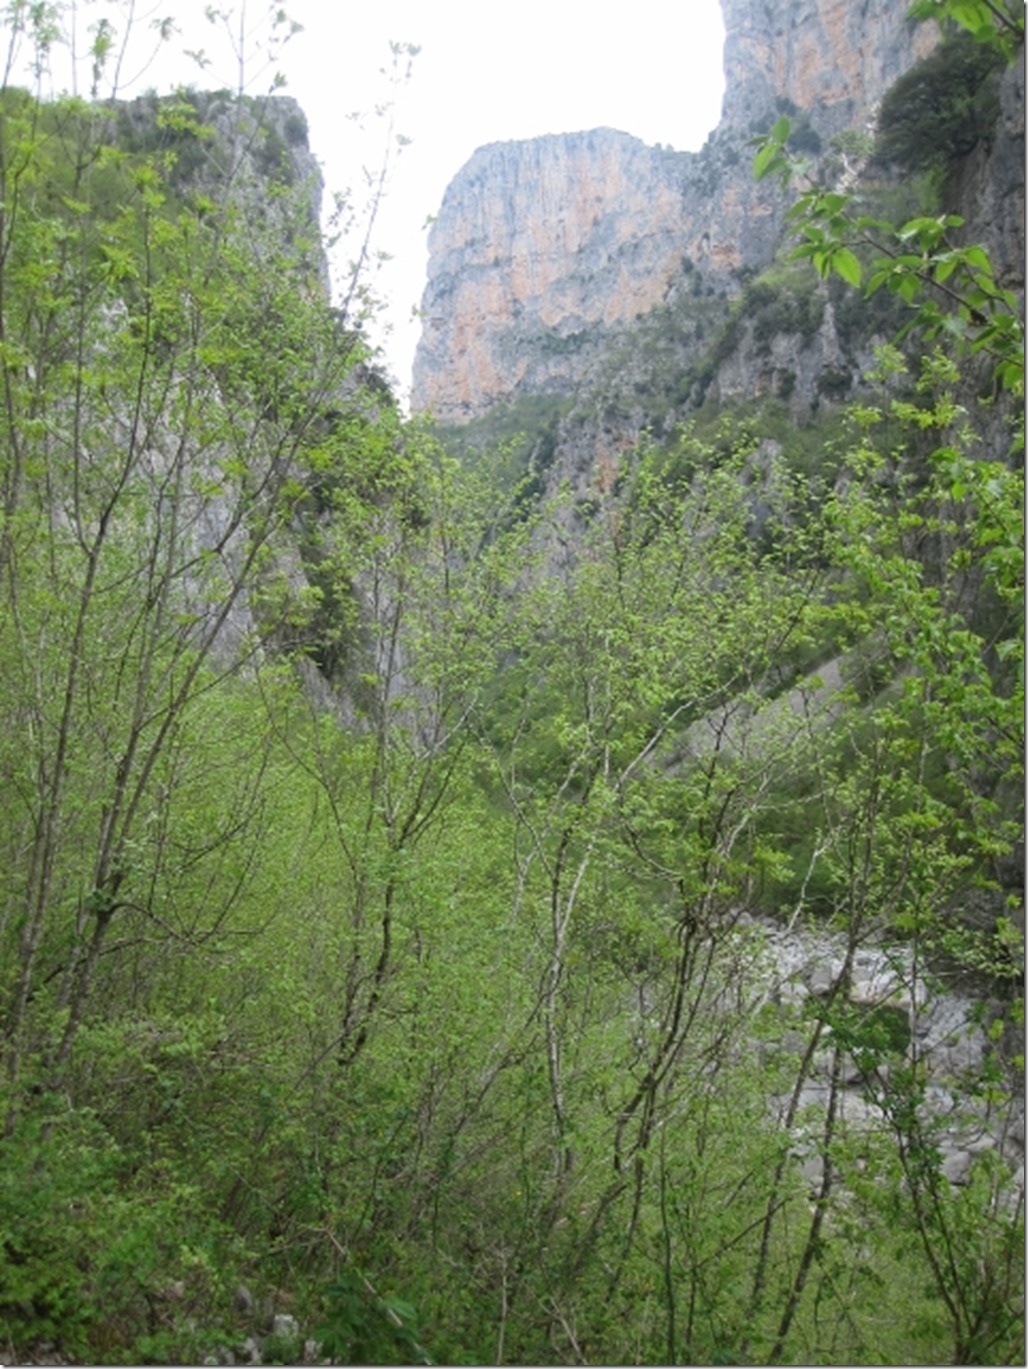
[[846, 265], [977, 257], [945, 266], [924, 228], [766, 160], [403, 1309]]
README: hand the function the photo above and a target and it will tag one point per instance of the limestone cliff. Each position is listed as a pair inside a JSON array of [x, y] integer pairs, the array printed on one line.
[[991, 186], [542, 249], [832, 59]]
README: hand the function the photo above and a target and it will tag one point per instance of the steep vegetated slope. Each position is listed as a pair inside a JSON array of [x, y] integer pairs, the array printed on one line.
[[547, 901]]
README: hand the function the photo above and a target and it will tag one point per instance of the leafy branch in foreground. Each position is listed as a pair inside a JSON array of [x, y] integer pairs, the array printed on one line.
[[951, 288], [995, 23]]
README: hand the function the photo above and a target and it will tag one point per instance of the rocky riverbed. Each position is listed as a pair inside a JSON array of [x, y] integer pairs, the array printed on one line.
[[944, 1030]]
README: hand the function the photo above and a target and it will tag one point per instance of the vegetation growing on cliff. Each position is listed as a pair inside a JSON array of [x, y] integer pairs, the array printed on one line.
[[943, 108]]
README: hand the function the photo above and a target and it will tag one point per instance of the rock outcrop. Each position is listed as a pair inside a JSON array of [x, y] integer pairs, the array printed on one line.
[[992, 185], [831, 59], [539, 248], [940, 1030], [543, 249]]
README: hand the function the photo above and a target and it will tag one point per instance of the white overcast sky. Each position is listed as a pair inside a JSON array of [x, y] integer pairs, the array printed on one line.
[[485, 73]]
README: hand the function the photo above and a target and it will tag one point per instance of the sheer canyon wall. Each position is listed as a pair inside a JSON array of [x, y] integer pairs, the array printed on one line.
[[542, 249]]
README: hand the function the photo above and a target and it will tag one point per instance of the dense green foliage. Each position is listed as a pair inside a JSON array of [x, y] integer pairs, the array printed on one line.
[[941, 109], [389, 884]]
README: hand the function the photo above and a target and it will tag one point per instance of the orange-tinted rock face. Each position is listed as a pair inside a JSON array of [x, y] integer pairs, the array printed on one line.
[[543, 248], [833, 59], [536, 244]]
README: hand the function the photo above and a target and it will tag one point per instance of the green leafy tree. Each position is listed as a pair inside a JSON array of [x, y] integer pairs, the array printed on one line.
[[168, 359], [943, 108], [378, 927], [931, 540]]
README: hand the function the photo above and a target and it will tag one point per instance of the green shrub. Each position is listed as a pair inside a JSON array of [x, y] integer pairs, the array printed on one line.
[[360, 1327], [942, 108], [783, 301]]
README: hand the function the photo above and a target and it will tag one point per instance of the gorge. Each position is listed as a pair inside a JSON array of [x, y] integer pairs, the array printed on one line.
[[541, 880]]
